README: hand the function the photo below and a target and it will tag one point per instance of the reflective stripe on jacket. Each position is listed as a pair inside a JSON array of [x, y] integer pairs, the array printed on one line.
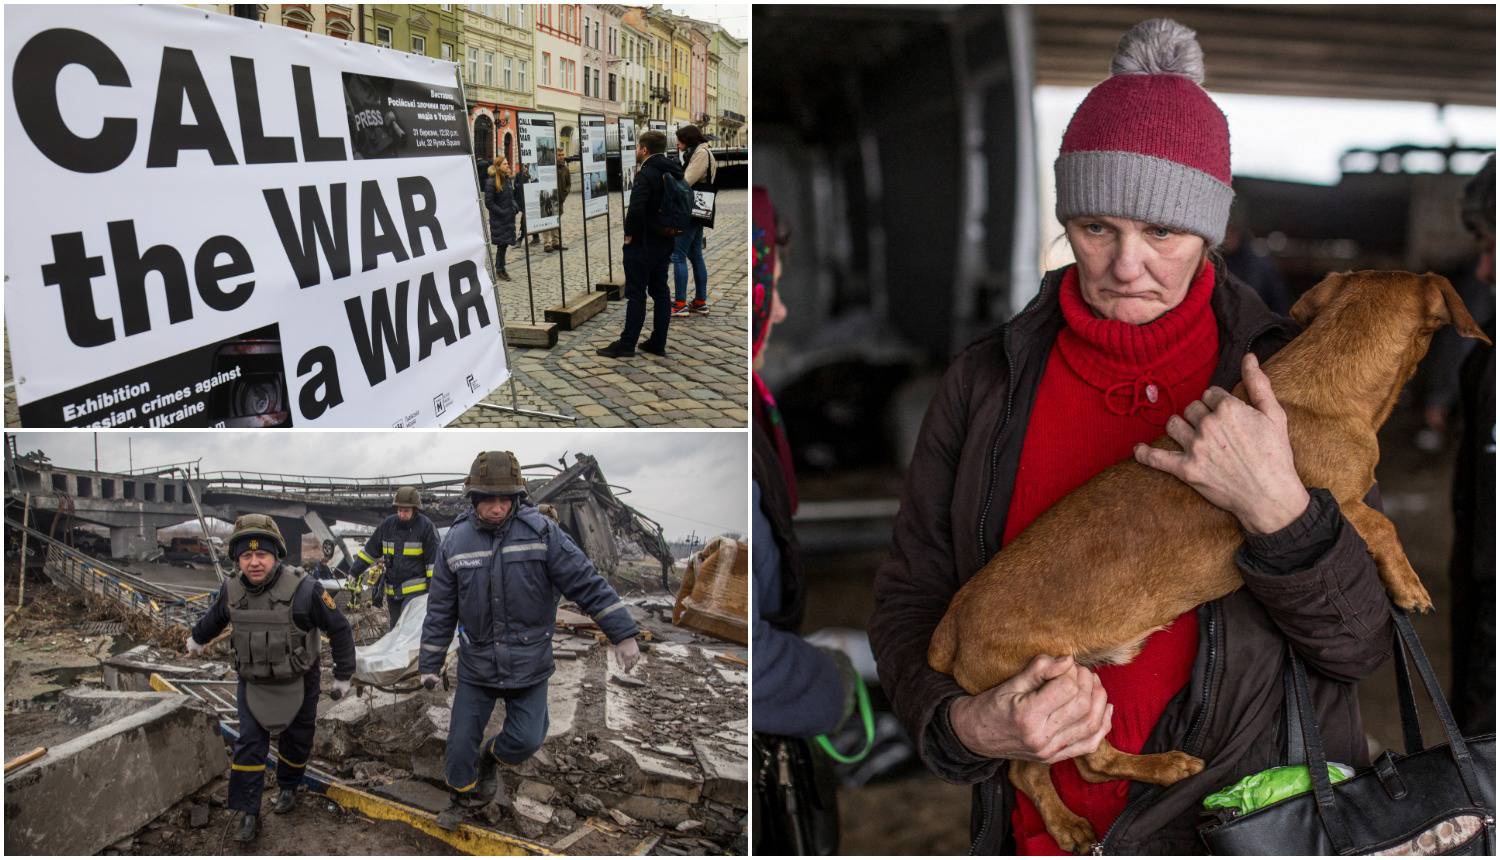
[[499, 588]]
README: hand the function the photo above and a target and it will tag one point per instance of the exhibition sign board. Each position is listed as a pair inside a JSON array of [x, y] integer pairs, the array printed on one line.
[[627, 154], [591, 155], [536, 134], [211, 222]]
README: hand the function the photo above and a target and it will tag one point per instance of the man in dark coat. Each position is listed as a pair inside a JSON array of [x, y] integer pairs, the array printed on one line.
[[647, 253], [407, 541], [564, 187], [498, 576], [1473, 564]]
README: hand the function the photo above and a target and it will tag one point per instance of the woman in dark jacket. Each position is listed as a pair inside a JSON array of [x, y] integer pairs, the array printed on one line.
[[1112, 352], [503, 198]]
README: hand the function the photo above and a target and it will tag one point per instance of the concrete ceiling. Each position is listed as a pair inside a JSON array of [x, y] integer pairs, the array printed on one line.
[[1433, 53]]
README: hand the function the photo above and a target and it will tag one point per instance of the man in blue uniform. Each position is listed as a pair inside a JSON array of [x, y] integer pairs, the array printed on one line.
[[408, 542], [277, 611], [498, 576]]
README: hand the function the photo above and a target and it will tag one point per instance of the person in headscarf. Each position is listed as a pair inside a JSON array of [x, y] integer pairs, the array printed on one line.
[[800, 690]]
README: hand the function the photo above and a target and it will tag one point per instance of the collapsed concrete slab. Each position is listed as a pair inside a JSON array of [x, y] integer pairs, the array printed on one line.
[[725, 772], [143, 753], [655, 775], [132, 670]]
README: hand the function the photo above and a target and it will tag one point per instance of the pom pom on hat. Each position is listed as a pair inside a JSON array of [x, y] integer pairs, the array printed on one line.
[[1159, 46], [1148, 143]]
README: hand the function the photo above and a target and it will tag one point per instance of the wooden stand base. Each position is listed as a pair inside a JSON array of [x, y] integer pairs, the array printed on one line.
[[614, 289], [542, 335], [583, 308]]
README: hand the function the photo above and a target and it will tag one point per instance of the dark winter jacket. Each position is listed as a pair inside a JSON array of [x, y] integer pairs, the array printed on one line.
[[645, 201], [564, 181], [409, 550], [311, 607], [500, 586], [503, 207], [1473, 563], [1313, 584]]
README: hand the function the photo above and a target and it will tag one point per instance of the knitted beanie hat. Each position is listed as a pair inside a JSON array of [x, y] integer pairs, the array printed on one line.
[[1148, 143]]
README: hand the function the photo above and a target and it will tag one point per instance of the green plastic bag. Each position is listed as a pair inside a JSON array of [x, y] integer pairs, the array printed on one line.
[[1259, 790]]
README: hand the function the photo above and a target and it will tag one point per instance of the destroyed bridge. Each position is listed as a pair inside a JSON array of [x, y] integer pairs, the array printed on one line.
[[134, 505]]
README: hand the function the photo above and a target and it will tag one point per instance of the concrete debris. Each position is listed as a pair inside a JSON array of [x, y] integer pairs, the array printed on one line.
[[532, 817], [412, 792], [198, 815], [146, 752], [621, 818], [686, 826]]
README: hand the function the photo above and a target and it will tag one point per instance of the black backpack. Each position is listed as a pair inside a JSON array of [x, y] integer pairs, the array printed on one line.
[[676, 213]]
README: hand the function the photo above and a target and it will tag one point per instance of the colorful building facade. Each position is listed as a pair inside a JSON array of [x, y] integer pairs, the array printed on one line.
[[498, 65], [559, 60]]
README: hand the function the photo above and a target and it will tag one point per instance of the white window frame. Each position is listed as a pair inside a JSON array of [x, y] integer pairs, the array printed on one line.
[[386, 41], [473, 59], [447, 51], [508, 73], [415, 40], [489, 68]]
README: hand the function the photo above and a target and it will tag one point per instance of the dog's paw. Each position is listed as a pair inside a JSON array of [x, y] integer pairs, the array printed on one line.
[[1169, 768], [1412, 596], [1072, 833]]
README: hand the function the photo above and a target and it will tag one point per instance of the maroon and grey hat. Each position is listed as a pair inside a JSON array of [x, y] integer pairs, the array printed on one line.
[[1148, 143]]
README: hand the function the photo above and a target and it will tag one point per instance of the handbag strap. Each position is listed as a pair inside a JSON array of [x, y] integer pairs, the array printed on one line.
[[1296, 743], [1407, 637], [1309, 737], [1317, 762], [1411, 726]]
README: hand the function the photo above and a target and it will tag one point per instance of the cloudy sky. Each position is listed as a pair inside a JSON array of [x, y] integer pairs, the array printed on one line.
[[732, 17], [687, 481]]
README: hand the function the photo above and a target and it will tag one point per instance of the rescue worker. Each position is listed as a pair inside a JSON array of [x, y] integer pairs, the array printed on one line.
[[407, 541], [498, 576], [280, 609]]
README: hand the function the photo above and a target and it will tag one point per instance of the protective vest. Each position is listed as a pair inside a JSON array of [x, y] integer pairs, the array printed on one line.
[[268, 645]]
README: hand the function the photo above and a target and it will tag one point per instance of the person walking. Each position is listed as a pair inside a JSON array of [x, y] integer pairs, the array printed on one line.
[[701, 173], [503, 199], [1145, 334], [647, 251], [564, 186], [497, 578], [277, 611], [407, 542]]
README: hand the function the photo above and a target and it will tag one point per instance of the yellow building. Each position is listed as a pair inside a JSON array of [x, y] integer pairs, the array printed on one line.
[[682, 72], [329, 19], [659, 66], [496, 55]]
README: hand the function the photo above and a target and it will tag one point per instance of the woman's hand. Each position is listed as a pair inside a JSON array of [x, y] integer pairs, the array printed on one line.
[[1236, 455], [1052, 711]]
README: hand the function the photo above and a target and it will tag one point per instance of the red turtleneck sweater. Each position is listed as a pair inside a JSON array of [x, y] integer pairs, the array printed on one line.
[[1107, 386]]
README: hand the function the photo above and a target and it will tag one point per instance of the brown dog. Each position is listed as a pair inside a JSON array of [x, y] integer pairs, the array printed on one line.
[[1135, 547]]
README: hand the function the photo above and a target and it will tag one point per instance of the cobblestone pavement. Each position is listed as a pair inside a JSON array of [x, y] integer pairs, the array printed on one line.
[[702, 381]]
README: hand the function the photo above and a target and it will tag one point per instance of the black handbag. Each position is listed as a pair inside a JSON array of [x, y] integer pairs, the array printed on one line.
[[1438, 800], [796, 799]]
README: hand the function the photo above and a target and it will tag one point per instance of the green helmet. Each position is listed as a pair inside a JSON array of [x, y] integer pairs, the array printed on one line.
[[408, 497], [249, 528], [495, 473]]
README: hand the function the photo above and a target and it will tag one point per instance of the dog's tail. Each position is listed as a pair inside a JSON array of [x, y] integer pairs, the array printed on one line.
[[942, 651]]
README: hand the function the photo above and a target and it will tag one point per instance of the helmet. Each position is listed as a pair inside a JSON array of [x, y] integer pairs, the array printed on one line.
[[249, 528], [495, 473], [408, 497]]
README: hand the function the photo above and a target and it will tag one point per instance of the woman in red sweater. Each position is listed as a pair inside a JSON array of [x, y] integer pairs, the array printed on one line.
[[1144, 335]]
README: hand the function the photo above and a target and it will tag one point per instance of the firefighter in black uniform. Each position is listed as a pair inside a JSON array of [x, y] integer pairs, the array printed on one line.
[[277, 611], [408, 543]]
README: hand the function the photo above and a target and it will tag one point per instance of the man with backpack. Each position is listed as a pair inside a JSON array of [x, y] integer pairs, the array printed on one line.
[[661, 209]]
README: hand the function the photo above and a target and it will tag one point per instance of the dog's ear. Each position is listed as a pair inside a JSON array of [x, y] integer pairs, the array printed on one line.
[[1444, 304], [1314, 300]]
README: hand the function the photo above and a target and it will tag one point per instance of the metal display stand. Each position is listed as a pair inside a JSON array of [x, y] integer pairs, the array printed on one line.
[[514, 407]]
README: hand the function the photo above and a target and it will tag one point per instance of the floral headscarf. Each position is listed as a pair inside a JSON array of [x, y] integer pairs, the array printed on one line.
[[763, 244]]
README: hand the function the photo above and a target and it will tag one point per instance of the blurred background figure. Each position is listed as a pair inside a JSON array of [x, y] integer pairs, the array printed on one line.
[[911, 150], [1473, 566], [800, 690]]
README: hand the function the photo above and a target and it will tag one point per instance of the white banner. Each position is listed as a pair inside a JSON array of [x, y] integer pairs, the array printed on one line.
[[537, 138], [658, 125], [591, 155], [211, 222], [627, 155]]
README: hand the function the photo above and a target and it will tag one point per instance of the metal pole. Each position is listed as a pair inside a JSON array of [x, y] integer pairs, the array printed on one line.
[[588, 279], [562, 277], [513, 408], [25, 526], [526, 245], [213, 554], [609, 224]]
